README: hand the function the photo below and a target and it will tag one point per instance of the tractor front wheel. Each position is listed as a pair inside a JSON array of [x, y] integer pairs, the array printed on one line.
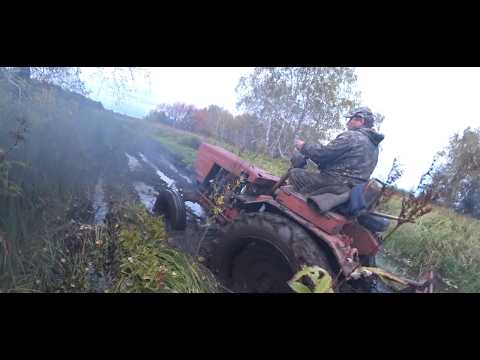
[[170, 204]]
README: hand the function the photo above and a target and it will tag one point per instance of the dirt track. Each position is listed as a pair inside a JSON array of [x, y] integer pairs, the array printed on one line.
[[138, 171]]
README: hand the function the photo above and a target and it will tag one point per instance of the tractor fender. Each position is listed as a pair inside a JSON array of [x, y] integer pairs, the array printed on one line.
[[345, 257]]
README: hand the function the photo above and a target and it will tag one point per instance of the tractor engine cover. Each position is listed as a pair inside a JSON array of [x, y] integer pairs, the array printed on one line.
[[210, 157]]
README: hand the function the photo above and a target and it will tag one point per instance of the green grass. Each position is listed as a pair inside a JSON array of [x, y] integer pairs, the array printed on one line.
[[180, 143], [149, 264], [185, 152], [185, 144], [441, 240], [274, 166]]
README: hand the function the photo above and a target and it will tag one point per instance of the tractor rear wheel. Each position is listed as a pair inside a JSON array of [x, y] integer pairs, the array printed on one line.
[[260, 253]]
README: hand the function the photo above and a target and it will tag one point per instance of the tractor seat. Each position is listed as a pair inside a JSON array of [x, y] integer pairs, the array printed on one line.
[[348, 204], [361, 197], [321, 203], [326, 202]]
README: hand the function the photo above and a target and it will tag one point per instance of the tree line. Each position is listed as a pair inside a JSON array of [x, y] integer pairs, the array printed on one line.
[[458, 177], [279, 104]]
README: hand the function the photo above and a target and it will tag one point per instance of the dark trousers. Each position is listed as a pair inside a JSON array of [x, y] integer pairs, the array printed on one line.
[[315, 182]]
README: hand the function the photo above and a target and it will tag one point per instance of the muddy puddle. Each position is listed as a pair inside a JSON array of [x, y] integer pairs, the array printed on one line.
[[133, 163], [167, 180], [99, 205], [147, 193], [148, 196], [175, 170]]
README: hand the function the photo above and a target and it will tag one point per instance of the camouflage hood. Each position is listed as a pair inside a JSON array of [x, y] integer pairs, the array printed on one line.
[[375, 137]]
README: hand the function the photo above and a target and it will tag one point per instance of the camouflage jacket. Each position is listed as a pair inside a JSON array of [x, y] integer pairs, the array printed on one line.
[[353, 153]]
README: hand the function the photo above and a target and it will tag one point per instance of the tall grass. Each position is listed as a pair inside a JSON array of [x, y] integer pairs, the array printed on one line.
[[443, 241]]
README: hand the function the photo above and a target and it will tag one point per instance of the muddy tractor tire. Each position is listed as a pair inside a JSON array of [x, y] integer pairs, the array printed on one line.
[[170, 204], [260, 253]]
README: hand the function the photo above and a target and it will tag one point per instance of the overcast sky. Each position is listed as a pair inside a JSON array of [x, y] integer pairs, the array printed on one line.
[[423, 107]]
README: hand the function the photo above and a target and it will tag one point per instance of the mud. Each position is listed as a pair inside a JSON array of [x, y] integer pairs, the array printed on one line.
[[99, 205], [138, 172]]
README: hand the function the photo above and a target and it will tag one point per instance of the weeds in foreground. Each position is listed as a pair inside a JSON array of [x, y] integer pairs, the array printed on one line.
[[441, 240], [129, 254], [149, 264]]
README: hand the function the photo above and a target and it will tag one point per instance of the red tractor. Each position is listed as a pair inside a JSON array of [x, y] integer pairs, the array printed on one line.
[[267, 231]]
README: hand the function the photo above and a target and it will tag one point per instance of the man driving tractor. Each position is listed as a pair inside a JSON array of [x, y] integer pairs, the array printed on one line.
[[347, 161], [266, 232]]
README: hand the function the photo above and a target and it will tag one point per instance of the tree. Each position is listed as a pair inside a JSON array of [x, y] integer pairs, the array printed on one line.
[[379, 118], [218, 119], [67, 78], [159, 116], [457, 179], [180, 115], [292, 102], [245, 130], [200, 121], [70, 78]]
